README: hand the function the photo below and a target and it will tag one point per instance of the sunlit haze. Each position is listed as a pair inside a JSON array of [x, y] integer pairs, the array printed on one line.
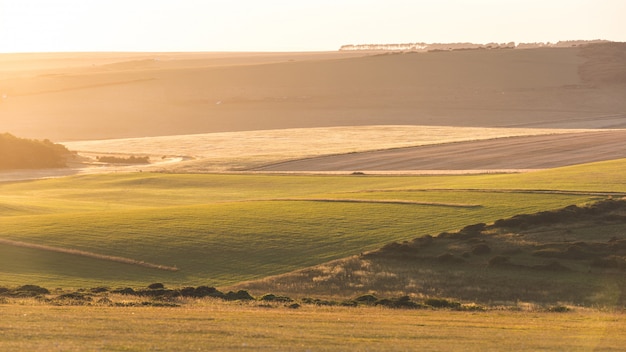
[[287, 25]]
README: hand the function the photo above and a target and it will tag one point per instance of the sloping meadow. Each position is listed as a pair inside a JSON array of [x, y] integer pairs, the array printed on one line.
[[219, 230]]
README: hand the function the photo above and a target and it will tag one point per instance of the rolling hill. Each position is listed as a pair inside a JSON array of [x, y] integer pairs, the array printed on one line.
[[96, 96]]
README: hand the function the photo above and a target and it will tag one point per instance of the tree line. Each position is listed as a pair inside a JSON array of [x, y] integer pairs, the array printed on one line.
[[22, 153]]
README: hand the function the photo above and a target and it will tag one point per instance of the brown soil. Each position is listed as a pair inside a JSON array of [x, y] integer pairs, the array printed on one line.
[[513, 153]]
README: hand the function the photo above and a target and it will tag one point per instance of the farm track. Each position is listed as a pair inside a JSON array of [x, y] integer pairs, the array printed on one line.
[[378, 201], [494, 190], [86, 254], [511, 153]]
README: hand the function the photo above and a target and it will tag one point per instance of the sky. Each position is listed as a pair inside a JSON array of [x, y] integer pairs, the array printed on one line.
[[296, 25]]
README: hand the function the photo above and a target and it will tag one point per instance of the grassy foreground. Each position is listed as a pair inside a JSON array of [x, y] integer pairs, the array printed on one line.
[[222, 229], [236, 326]]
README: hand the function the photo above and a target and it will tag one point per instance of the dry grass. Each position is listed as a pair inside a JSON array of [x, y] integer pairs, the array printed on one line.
[[243, 150], [211, 325]]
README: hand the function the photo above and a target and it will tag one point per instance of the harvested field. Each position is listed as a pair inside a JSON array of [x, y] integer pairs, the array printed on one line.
[[512, 153], [216, 152]]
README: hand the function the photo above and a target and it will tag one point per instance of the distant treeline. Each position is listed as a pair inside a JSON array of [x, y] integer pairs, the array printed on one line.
[[464, 46], [120, 160], [20, 153]]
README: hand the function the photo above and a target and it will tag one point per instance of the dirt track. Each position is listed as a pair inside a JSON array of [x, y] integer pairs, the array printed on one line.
[[513, 153]]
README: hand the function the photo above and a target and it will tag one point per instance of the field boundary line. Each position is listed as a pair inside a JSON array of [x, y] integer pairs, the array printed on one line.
[[496, 190], [376, 201], [87, 254]]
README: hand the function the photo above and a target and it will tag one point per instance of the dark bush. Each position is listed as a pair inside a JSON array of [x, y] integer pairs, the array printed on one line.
[[481, 249], [511, 251], [319, 302], [474, 229], [499, 260], [423, 241], [402, 302], [449, 258], [99, 289], [120, 160], [34, 289], [201, 291], [156, 286], [368, 299], [240, 295], [558, 309], [611, 261], [572, 212], [575, 251], [124, 291], [105, 301], [273, 298], [75, 296], [551, 266], [442, 303]]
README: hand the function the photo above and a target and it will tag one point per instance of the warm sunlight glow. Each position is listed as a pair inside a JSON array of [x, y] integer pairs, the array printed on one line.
[[284, 25]]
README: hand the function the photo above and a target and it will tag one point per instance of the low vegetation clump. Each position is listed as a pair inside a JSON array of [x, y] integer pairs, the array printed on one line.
[[21, 153], [157, 295], [576, 254], [121, 160]]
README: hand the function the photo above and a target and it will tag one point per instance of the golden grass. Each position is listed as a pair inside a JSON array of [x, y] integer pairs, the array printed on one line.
[[212, 325], [242, 150]]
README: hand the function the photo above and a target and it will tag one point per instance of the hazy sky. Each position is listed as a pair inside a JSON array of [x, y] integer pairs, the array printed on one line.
[[296, 25]]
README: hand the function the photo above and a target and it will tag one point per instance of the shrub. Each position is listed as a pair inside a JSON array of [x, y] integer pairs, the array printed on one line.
[[240, 295], [368, 299], [156, 286], [558, 309], [449, 258], [119, 160], [551, 266], [201, 291], [401, 302], [481, 249], [33, 289], [273, 298], [319, 302], [611, 261], [499, 260], [423, 241], [442, 303], [474, 229], [124, 291]]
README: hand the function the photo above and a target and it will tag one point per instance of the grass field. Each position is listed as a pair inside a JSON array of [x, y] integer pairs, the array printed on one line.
[[235, 327], [223, 229], [218, 152]]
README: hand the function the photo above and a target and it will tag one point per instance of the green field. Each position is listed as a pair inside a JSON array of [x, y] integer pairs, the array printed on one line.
[[219, 230]]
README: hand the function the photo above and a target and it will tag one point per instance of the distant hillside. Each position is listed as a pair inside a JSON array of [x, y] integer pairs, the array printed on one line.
[[544, 87], [20, 153]]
